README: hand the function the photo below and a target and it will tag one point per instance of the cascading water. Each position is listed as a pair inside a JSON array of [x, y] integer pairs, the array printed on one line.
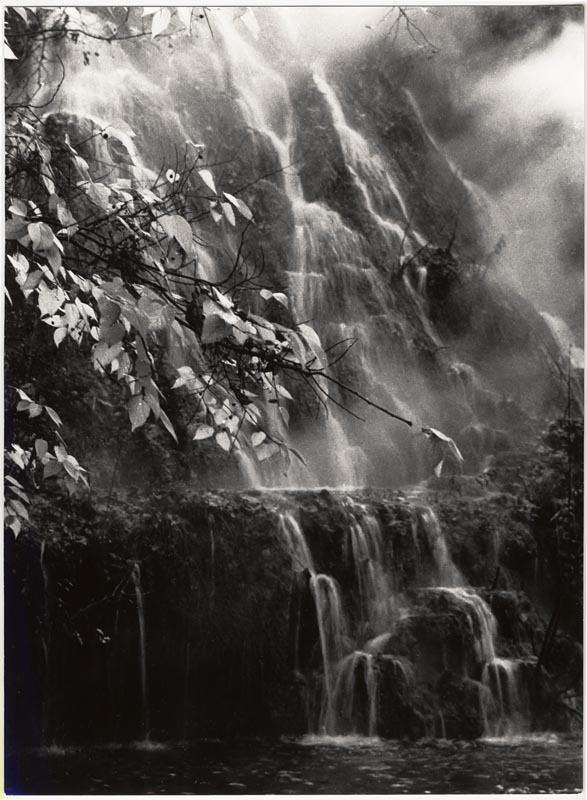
[[138, 588], [347, 226], [501, 678], [357, 628]]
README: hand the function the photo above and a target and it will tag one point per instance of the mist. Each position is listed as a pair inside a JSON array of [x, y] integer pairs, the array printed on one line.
[[502, 89], [505, 95]]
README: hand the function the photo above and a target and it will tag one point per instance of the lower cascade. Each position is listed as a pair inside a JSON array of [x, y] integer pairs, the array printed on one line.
[[331, 613], [357, 630]]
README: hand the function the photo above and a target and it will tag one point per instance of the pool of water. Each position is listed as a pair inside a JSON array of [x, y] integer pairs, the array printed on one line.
[[310, 765]]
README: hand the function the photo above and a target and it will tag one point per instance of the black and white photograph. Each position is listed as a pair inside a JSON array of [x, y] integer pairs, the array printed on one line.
[[293, 409]]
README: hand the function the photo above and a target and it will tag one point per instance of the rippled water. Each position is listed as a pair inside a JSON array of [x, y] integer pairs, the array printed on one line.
[[310, 765]]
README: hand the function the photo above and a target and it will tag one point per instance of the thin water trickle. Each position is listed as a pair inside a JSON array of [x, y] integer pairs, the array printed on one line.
[[137, 583]]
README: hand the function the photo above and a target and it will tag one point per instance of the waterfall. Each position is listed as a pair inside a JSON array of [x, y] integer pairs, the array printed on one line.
[[329, 616], [137, 583], [505, 713], [446, 572], [351, 645], [374, 592]]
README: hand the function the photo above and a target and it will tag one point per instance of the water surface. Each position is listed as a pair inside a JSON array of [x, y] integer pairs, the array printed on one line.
[[310, 765]]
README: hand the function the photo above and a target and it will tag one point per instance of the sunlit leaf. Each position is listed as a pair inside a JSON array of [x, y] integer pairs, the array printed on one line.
[[178, 228], [240, 205], [258, 437], [214, 213], [228, 213], [208, 179], [161, 20], [53, 415], [203, 432], [8, 52], [281, 298], [223, 440], [18, 207]]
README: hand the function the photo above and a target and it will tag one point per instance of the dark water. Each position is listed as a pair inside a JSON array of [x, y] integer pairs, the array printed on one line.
[[337, 766]]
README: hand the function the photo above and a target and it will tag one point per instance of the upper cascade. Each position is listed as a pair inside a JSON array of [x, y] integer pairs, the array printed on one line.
[[362, 220]]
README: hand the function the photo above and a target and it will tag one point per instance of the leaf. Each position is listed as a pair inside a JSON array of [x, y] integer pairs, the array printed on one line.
[[438, 468], [42, 237], [121, 126], [19, 493], [214, 213], [8, 52], [223, 440], [298, 455], [281, 298], [70, 483], [167, 424], [35, 410], [266, 294], [14, 524], [22, 12], [297, 346], [51, 469], [240, 205], [266, 450], [41, 448], [14, 229], [228, 213], [59, 335], [178, 228], [208, 179], [150, 10], [54, 258], [203, 432], [214, 330], [18, 508], [138, 411], [60, 453], [161, 20], [258, 437], [311, 337], [441, 439], [283, 391], [98, 194], [105, 354], [32, 282], [18, 207], [54, 416]]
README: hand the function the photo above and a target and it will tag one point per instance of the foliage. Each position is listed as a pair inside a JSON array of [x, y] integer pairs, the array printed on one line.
[[112, 263]]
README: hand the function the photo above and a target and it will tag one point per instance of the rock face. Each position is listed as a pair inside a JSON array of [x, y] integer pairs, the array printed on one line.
[[271, 613], [365, 223]]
